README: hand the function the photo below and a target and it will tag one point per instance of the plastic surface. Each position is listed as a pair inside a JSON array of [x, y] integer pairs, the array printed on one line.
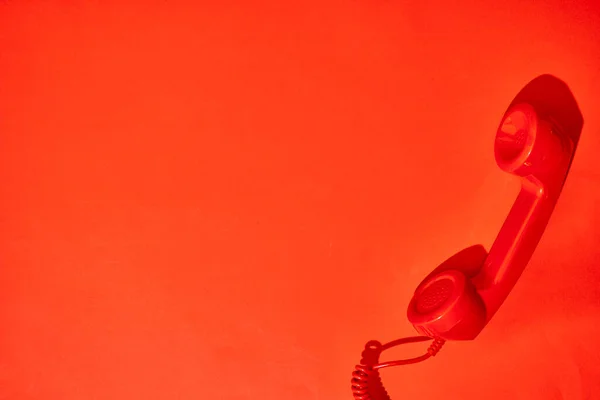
[[456, 304]]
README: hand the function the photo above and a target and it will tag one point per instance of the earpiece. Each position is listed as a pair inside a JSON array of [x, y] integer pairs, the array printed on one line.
[[456, 303]]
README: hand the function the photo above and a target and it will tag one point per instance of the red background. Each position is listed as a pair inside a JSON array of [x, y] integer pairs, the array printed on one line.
[[226, 201]]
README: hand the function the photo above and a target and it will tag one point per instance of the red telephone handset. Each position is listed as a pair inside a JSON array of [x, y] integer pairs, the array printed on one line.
[[458, 299], [456, 304]]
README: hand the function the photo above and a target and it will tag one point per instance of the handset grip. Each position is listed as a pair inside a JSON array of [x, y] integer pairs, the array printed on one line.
[[457, 304], [543, 162]]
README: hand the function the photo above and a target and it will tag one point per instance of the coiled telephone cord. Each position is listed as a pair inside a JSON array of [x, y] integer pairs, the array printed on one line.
[[366, 381]]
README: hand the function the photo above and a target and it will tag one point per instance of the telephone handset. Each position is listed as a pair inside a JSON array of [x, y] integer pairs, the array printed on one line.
[[456, 304], [458, 299]]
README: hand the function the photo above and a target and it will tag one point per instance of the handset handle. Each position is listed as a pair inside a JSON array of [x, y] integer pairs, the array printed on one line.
[[532, 148]]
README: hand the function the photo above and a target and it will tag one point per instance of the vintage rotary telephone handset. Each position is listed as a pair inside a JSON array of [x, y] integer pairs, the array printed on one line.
[[456, 301]]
